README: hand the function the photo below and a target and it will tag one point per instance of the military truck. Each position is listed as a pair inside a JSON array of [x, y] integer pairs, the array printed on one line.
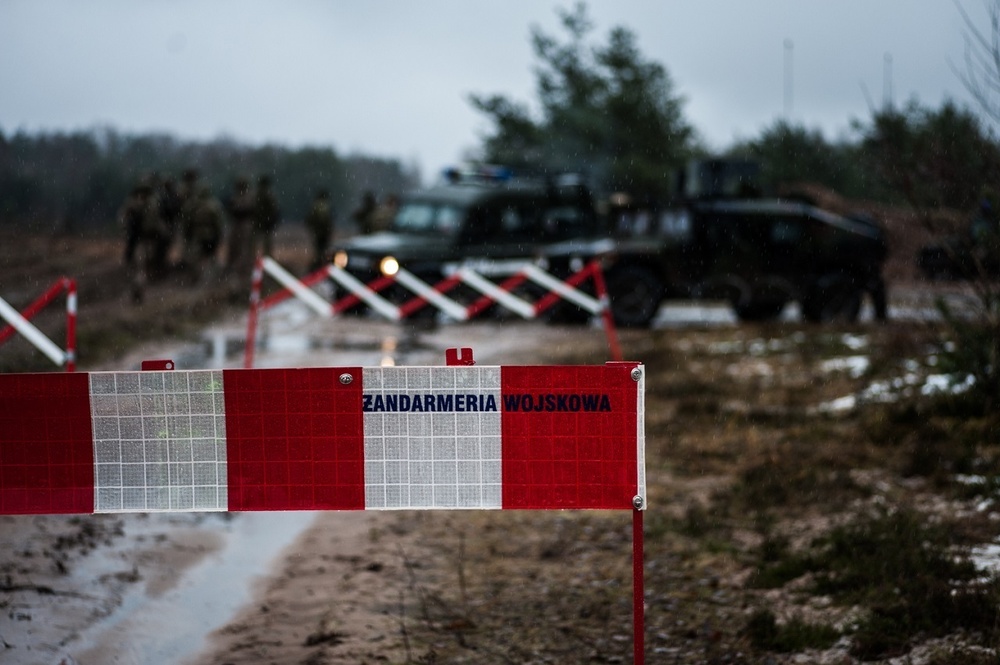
[[718, 240], [973, 254]]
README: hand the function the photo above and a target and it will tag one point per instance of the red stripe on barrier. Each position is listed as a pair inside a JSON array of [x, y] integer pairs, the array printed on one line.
[[46, 444], [284, 294], [569, 437], [35, 307], [295, 439], [574, 280], [351, 300], [414, 304], [484, 302]]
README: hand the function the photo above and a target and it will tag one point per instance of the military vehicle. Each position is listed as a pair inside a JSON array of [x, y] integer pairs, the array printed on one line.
[[718, 241], [481, 212], [969, 255]]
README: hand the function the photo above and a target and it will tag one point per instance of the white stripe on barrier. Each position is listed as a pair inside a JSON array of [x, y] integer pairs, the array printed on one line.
[[361, 290], [513, 303], [31, 333], [567, 292], [301, 291], [159, 441], [425, 291], [426, 459]]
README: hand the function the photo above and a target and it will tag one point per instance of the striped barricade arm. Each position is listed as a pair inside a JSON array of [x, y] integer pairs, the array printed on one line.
[[351, 438]]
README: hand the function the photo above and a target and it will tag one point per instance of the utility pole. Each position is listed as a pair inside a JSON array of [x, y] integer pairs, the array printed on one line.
[[789, 52], [887, 82]]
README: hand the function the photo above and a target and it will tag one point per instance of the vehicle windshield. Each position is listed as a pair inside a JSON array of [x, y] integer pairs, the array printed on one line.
[[427, 218]]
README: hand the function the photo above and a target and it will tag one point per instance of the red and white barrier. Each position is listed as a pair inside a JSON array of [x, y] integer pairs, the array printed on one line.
[[474, 276], [349, 438], [20, 322], [346, 438]]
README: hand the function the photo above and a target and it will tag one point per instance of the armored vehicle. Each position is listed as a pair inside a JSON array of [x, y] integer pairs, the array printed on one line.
[[757, 254], [969, 255], [484, 212]]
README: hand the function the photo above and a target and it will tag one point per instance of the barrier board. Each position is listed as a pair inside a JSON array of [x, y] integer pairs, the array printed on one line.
[[459, 436], [350, 438]]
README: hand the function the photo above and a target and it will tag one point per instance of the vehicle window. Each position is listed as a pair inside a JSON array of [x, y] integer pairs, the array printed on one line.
[[561, 221], [511, 220], [427, 218], [676, 224]]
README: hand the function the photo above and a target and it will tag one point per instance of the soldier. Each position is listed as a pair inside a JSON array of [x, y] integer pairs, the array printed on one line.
[[171, 204], [203, 234], [151, 233], [364, 214], [187, 193], [240, 206], [319, 221], [385, 213], [266, 217], [130, 218]]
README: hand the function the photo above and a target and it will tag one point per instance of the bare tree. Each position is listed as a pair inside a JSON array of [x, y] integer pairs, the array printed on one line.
[[981, 76]]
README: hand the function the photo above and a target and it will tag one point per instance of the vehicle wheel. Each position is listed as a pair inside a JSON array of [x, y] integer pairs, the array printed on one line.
[[765, 301], [832, 299], [636, 293]]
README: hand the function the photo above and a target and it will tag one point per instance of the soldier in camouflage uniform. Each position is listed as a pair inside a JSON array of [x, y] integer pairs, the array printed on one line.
[[187, 195], [203, 234], [130, 218], [152, 230], [171, 203], [319, 221], [241, 207], [266, 217]]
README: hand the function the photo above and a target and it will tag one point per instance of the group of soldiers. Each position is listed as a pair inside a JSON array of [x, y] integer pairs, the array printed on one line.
[[161, 213], [164, 218]]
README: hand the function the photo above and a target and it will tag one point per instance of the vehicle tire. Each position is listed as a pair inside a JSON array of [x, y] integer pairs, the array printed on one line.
[[765, 301], [832, 298], [636, 293]]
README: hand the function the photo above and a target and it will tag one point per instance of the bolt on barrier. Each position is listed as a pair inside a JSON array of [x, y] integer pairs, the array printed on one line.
[[20, 322], [329, 438], [474, 275]]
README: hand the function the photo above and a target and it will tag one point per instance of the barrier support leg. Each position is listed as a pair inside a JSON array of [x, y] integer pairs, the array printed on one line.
[[70, 325], [601, 288], [638, 591], [251, 336]]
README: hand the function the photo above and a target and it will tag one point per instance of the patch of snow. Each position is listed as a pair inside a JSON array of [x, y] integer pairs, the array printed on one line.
[[856, 366]]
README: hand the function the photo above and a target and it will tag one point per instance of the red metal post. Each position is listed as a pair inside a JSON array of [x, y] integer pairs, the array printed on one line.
[[251, 336], [70, 285], [638, 591], [606, 316]]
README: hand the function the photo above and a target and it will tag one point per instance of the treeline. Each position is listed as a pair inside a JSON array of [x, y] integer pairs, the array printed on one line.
[[78, 180], [604, 108]]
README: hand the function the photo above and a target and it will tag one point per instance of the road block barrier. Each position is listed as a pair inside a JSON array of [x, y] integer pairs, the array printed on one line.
[[458, 436], [474, 275], [20, 322]]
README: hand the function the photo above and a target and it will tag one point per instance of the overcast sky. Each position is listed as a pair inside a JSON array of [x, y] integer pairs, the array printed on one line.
[[392, 77]]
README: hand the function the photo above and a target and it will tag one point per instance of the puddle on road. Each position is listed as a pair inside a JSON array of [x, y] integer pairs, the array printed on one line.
[[173, 625]]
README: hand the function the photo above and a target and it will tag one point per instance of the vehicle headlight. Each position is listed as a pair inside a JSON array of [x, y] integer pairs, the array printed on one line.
[[389, 266], [340, 259]]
